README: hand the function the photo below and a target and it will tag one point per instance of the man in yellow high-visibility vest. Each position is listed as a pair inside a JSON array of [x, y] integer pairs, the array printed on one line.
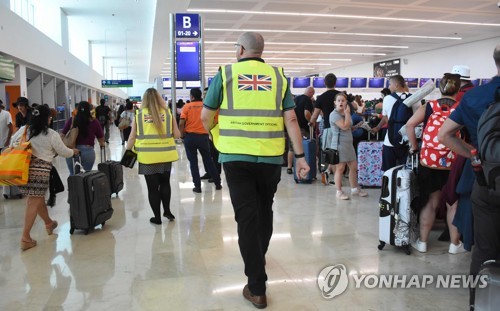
[[254, 104]]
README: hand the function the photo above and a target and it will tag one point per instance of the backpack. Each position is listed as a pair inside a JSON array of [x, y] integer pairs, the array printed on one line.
[[488, 138], [433, 153], [400, 114]]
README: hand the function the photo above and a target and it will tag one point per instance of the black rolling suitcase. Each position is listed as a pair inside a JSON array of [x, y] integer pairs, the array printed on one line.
[[89, 198], [309, 146], [114, 172]]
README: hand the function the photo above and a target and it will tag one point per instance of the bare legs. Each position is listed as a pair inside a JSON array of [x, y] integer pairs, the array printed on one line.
[[450, 214], [353, 174], [34, 206], [428, 215]]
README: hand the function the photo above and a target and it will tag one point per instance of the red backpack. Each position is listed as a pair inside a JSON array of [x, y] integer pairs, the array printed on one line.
[[434, 154]]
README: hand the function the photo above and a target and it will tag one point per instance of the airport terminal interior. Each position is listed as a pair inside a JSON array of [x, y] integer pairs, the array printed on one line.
[[193, 262], [68, 51]]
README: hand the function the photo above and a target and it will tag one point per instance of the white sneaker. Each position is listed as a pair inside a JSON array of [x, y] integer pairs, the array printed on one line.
[[456, 249], [341, 195], [359, 192], [420, 246]]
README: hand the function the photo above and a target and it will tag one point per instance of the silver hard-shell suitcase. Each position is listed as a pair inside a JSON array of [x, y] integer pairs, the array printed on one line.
[[397, 220]]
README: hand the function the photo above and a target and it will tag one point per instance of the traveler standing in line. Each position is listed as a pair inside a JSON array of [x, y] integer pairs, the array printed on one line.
[[45, 144], [254, 103], [23, 117], [325, 104], [393, 155], [153, 132], [433, 176], [103, 115], [303, 111], [485, 203], [88, 130], [465, 83], [342, 141], [196, 139]]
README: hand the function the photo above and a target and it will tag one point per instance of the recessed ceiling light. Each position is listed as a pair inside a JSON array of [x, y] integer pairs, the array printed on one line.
[[305, 52], [335, 33], [432, 21], [322, 44]]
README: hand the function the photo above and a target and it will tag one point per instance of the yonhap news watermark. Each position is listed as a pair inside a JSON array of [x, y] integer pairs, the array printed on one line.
[[333, 280]]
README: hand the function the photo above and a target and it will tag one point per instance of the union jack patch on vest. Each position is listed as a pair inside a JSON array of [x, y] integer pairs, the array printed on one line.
[[254, 83]]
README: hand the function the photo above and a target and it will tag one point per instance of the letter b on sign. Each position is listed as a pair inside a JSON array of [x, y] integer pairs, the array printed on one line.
[[186, 22]]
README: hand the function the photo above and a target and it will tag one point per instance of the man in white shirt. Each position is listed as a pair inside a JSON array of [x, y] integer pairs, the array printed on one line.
[[392, 156], [6, 127]]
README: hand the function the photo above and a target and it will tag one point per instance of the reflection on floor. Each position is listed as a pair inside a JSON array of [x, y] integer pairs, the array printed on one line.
[[193, 263]]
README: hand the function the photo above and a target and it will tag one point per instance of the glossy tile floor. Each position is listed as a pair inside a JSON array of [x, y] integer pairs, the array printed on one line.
[[193, 263]]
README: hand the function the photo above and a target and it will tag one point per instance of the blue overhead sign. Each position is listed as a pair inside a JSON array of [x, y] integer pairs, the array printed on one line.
[[187, 25]]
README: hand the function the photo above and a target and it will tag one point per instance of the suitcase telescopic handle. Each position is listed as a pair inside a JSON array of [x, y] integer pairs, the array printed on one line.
[[311, 131], [103, 154]]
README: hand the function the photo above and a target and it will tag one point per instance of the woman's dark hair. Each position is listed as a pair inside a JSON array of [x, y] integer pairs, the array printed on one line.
[[39, 121], [82, 118], [129, 105], [386, 91], [180, 103], [449, 84]]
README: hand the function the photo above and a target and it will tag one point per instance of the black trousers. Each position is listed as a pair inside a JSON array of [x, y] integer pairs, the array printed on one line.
[[486, 212], [252, 187]]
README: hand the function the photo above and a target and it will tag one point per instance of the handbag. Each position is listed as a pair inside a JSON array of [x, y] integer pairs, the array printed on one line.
[[124, 123], [331, 156], [129, 158], [70, 138], [15, 163], [55, 183]]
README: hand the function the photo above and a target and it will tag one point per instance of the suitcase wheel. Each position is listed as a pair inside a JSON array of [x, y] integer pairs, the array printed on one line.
[[86, 231], [407, 250], [381, 245], [5, 196], [72, 230]]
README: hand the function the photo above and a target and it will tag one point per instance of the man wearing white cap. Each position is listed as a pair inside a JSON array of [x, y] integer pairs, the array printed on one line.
[[464, 72]]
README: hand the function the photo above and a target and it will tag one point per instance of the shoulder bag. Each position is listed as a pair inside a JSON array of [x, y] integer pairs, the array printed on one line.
[[332, 155], [70, 138]]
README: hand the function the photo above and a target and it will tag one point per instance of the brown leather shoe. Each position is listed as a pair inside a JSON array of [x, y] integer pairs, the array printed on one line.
[[260, 302]]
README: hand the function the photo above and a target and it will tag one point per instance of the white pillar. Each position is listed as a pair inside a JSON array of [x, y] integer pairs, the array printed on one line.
[[21, 73], [91, 63], [64, 31]]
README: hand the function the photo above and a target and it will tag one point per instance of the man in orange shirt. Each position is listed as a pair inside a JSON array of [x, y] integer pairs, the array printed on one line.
[[196, 139]]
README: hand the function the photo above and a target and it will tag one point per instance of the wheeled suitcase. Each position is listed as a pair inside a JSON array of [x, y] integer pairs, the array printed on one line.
[[309, 146], [89, 198], [370, 163], [398, 221], [12, 192], [487, 298], [114, 172]]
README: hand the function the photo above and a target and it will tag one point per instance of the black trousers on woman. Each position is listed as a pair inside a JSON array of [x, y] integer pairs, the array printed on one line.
[[252, 187]]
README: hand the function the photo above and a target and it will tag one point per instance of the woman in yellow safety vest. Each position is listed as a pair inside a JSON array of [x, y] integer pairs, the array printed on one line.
[[153, 135]]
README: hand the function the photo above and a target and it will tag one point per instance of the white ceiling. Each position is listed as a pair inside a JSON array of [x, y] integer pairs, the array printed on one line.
[[373, 33]]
